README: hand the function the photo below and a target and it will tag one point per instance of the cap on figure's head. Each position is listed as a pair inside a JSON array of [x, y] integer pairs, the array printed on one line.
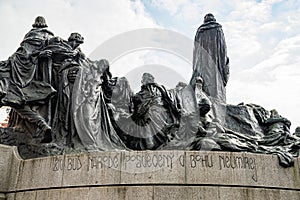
[[39, 22], [209, 17], [76, 37]]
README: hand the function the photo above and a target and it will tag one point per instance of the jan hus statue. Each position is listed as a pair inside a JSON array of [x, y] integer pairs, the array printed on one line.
[[210, 60]]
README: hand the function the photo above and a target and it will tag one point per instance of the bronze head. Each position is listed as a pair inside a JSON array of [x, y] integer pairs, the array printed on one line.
[[39, 22]]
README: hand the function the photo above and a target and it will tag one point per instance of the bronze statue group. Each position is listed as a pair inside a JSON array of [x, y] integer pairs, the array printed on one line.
[[60, 96]]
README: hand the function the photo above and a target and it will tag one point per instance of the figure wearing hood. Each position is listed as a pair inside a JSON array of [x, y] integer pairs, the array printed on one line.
[[22, 86], [210, 60]]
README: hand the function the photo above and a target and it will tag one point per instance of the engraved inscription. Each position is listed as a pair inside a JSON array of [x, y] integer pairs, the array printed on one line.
[[147, 162], [238, 162], [99, 162], [70, 163], [201, 160], [150, 161]]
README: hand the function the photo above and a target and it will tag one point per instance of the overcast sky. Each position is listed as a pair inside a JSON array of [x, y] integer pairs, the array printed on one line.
[[263, 38]]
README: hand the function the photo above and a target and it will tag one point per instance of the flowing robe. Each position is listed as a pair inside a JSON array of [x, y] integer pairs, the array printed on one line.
[[65, 60], [19, 84], [154, 121], [90, 112], [210, 60]]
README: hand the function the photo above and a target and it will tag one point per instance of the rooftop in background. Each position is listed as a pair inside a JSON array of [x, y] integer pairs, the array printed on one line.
[[4, 114]]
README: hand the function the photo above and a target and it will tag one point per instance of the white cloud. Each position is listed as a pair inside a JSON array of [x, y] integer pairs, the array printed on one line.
[[251, 10], [168, 69], [169, 5], [274, 82], [96, 20]]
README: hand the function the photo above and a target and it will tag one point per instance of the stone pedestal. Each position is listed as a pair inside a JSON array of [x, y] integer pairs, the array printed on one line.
[[147, 175]]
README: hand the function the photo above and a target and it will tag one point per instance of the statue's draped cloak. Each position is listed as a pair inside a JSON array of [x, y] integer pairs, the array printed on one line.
[[90, 112], [19, 84], [210, 60], [64, 59], [154, 120]]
